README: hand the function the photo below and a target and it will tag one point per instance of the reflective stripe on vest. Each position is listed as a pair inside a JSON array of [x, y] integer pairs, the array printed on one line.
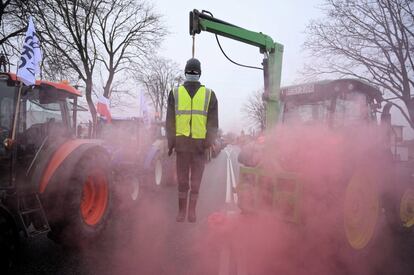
[[191, 110]]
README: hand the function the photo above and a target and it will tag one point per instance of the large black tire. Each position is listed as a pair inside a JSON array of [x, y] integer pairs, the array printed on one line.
[[155, 173], [362, 225], [400, 213], [128, 189], [87, 202], [132, 186], [162, 172], [8, 242]]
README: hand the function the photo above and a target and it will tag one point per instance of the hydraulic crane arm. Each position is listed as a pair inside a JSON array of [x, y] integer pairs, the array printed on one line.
[[202, 21], [272, 62]]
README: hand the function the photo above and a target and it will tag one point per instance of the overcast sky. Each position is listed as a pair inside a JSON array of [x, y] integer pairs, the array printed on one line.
[[284, 21]]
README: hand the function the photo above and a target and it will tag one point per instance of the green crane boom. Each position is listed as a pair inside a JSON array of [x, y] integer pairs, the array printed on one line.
[[272, 62]]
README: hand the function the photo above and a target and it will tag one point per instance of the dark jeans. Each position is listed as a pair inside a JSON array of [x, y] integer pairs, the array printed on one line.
[[190, 167]]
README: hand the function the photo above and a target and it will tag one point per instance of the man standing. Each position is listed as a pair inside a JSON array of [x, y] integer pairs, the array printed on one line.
[[191, 124]]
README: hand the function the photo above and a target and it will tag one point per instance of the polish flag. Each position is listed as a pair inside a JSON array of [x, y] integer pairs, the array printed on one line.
[[103, 108]]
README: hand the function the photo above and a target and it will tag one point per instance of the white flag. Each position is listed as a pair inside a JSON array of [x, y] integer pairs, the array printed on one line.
[[31, 56], [143, 109]]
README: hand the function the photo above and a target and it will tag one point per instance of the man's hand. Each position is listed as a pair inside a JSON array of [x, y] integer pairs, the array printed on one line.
[[171, 145]]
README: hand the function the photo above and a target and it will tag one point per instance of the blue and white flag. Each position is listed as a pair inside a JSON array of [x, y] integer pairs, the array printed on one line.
[[31, 56]]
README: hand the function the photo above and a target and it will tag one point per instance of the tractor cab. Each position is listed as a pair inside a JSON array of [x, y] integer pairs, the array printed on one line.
[[47, 175], [47, 114], [337, 103]]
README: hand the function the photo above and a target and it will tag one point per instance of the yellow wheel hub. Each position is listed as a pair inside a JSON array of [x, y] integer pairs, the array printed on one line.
[[361, 209], [407, 208]]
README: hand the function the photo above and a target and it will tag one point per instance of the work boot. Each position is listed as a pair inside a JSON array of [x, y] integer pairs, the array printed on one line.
[[192, 208], [182, 207]]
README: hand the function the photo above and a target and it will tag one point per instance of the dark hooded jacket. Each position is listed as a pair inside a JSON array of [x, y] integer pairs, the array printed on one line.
[[188, 144]]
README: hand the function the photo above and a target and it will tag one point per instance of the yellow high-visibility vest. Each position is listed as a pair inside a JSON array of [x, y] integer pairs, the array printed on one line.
[[191, 113]]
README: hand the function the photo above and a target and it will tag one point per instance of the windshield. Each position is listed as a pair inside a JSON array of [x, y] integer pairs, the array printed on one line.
[[350, 108], [297, 112], [42, 113], [44, 106], [344, 109]]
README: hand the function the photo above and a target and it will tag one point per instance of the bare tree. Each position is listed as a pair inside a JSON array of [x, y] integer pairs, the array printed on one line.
[[78, 36], [158, 76], [10, 29], [65, 29], [8, 20], [372, 40], [127, 31], [255, 110]]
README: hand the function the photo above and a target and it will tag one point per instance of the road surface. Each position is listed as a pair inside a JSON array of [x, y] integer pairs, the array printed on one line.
[[146, 240]]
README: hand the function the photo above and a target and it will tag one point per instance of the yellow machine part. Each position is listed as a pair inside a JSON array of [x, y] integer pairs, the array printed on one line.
[[407, 208], [361, 209]]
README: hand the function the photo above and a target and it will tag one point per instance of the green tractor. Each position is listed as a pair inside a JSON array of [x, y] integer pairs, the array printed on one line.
[[367, 194], [50, 182], [361, 191]]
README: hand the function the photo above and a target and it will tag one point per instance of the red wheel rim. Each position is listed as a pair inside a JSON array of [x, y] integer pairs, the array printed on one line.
[[94, 197]]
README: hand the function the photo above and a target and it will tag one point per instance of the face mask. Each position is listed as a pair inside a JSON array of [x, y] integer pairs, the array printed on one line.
[[192, 77]]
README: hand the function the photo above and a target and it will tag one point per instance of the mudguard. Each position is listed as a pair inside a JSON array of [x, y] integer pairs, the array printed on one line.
[[152, 152], [157, 147], [60, 158]]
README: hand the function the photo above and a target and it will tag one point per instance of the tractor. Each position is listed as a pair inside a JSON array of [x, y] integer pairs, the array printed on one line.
[[364, 194], [362, 191], [138, 155], [50, 181]]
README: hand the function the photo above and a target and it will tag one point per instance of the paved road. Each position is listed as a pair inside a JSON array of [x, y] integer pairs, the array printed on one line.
[[147, 240], [143, 240]]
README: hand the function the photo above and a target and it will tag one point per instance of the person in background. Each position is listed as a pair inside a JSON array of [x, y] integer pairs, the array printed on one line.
[[191, 127]]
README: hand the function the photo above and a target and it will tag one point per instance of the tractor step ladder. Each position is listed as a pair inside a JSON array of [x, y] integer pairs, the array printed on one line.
[[32, 215]]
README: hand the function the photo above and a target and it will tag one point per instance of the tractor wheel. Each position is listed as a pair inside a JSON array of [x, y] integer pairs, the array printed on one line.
[[365, 227], [87, 204], [162, 172], [406, 207], [128, 190], [361, 209], [134, 189], [155, 173], [401, 213], [8, 243]]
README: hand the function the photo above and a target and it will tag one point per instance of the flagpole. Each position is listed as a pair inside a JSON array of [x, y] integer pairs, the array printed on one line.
[[26, 72], [16, 113]]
